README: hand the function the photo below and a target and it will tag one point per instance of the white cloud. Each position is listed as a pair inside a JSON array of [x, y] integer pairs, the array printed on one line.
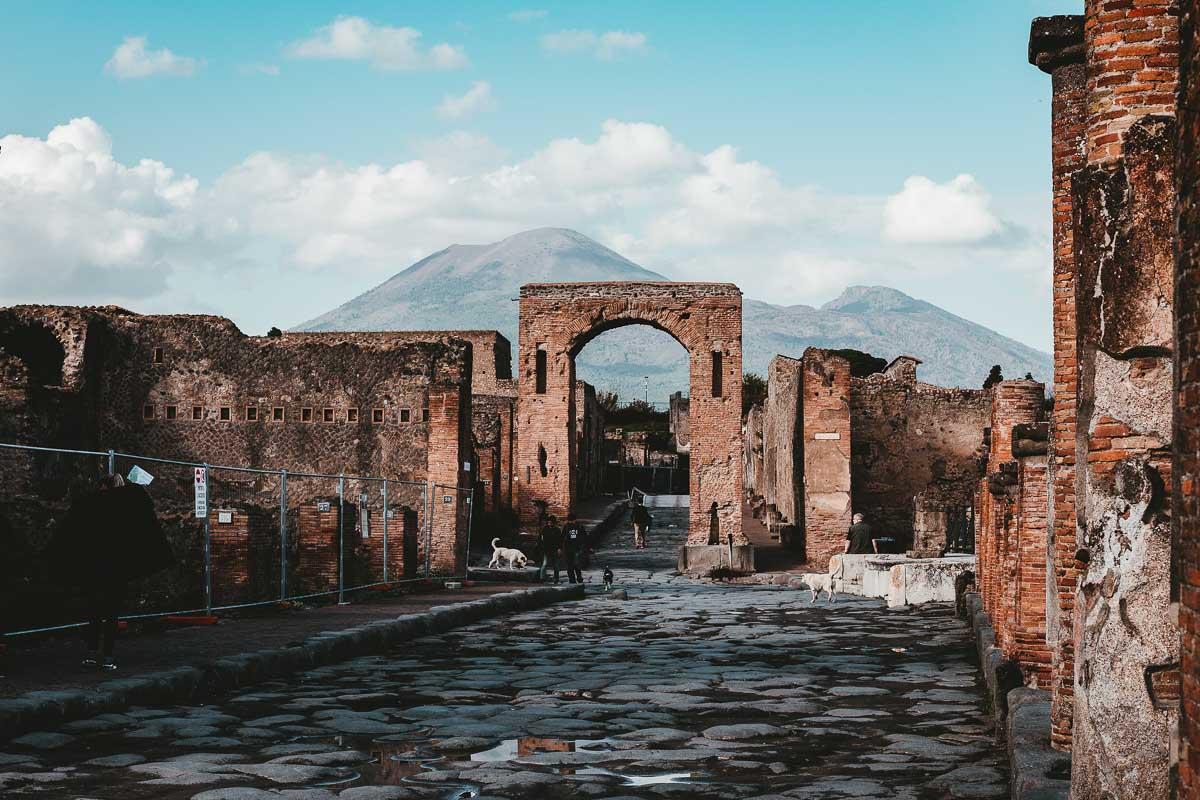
[[956, 212], [476, 100], [385, 47], [528, 14], [309, 232], [605, 46], [131, 59]]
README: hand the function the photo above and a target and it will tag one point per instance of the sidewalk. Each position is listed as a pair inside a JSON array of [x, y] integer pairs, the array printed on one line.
[[53, 662]]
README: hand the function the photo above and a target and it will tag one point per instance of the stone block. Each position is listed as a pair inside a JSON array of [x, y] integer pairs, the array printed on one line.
[[926, 580], [700, 559]]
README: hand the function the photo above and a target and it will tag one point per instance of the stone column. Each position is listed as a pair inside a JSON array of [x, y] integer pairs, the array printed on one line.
[[449, 449], [825, 438], [1056, 47], [1126, 642], [1186, 472]]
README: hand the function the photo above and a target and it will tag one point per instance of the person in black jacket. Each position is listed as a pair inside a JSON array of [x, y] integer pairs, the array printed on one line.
[[574, 546], [109, 538], [551, 539]]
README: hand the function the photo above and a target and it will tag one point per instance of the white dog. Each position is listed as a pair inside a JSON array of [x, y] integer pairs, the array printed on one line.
[[824, 582], [514, 557]]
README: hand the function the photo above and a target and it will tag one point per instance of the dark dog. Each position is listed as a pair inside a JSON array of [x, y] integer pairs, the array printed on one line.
[[608, 579]]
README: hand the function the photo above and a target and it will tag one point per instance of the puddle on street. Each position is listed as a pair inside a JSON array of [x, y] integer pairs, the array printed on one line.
[[511, 749], [641, 780]]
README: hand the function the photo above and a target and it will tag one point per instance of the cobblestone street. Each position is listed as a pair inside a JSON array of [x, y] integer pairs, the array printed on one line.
[[685, 689]]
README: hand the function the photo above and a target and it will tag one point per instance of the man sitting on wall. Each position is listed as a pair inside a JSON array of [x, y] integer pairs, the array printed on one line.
[[858, 538]]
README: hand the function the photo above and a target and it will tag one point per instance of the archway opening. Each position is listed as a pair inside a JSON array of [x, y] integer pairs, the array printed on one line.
[[38, 349]]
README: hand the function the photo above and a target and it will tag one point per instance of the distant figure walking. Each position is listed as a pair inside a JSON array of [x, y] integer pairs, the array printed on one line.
[[859, 538], [574, 545], [109, 538], [641, 523], [551, 539]]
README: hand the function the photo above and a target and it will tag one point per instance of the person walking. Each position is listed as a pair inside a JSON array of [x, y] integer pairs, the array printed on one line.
[[109, 538], [641, 524], [551, 540], [858, 538], [574, 544]]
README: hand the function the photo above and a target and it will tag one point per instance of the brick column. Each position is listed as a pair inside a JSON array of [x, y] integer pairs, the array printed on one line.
[[1056, 46], [1187, 402], [449, 448], [1126, 641], [1030, 647], [825, 443]]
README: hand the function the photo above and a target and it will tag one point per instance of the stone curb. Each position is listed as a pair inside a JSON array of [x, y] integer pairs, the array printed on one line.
[[1030, 757], [47, 709]]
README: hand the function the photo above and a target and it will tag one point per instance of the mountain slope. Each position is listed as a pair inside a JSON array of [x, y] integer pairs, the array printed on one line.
[[473, 286]]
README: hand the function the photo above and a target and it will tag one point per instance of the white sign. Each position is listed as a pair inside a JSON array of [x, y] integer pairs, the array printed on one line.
[[140, 476], [322, 506], [201, 487], [225, 517], [447, 499], [466, 466], [827, 436]]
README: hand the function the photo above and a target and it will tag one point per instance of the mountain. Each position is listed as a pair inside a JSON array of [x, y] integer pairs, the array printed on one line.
[[474, 286]]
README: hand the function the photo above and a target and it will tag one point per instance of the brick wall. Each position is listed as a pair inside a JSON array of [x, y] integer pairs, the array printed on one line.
[[1123, 238], [1186, 470], [1056, 46], [825, 447], [560, 319], [195, 388]]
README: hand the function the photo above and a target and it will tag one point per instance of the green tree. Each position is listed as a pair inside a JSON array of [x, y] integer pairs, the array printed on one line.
[[274, 333], [994, 377], [754, 391]]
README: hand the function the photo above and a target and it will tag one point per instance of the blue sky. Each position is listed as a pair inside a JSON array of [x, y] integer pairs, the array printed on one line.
[[821, 111]]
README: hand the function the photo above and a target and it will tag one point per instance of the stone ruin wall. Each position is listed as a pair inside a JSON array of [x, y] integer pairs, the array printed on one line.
[[884, 441], [590, 421], [194, 388], [1186, 472], [679, 422], [911, 441]]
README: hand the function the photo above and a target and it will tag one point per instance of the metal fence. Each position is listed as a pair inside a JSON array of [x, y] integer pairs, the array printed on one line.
[[241, 536]]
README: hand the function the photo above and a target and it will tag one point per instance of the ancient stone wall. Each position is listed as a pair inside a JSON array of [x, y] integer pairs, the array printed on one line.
[[679, 420], [1186, 471], [753, 466], [783, 471], [825, 446], [913, 439], [1056, 46], [589, 442], [194, 388], [1123, 217], [558, 320]]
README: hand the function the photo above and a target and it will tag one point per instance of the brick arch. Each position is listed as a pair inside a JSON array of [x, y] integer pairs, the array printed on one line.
[[559, 319]]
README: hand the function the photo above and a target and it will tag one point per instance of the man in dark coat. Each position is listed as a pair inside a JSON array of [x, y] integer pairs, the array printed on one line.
[[859, 539], [550, 538], [574, 546], [641, 524], [109, 538]]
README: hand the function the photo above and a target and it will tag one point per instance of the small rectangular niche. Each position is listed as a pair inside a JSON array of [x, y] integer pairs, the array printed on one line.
[[172, 412], [306, 415], [251, 413], [376, 416], [197, 412], [148, 411], [158, 355], [351, 415], [277, 414], [718, 382], [424, 415], [225, 414], [327, 415], [540, 370], [405, 415]]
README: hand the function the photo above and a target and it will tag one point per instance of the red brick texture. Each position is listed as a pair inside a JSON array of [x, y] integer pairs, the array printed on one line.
[[560, 319], [1186, 470], [1057, 47], [825, 444]]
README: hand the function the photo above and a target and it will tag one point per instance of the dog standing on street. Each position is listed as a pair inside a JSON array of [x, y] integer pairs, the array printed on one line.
[[513, 556]]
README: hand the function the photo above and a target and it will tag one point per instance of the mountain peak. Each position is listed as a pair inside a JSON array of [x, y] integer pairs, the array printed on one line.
[[865, 299]]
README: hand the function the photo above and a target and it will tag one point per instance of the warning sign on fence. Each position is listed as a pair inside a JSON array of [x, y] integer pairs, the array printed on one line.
[[201, 486]]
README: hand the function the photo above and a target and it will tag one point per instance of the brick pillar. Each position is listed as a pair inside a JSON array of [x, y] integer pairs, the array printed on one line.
[[1123, 215], [1013, 403], [317, 568], [230, 556], [825, 441], [1056, 46], [450, 445], [1031, 649], [1187, 403]]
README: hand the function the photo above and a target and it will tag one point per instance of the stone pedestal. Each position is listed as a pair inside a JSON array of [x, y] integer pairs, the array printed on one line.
[[700, 559]]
